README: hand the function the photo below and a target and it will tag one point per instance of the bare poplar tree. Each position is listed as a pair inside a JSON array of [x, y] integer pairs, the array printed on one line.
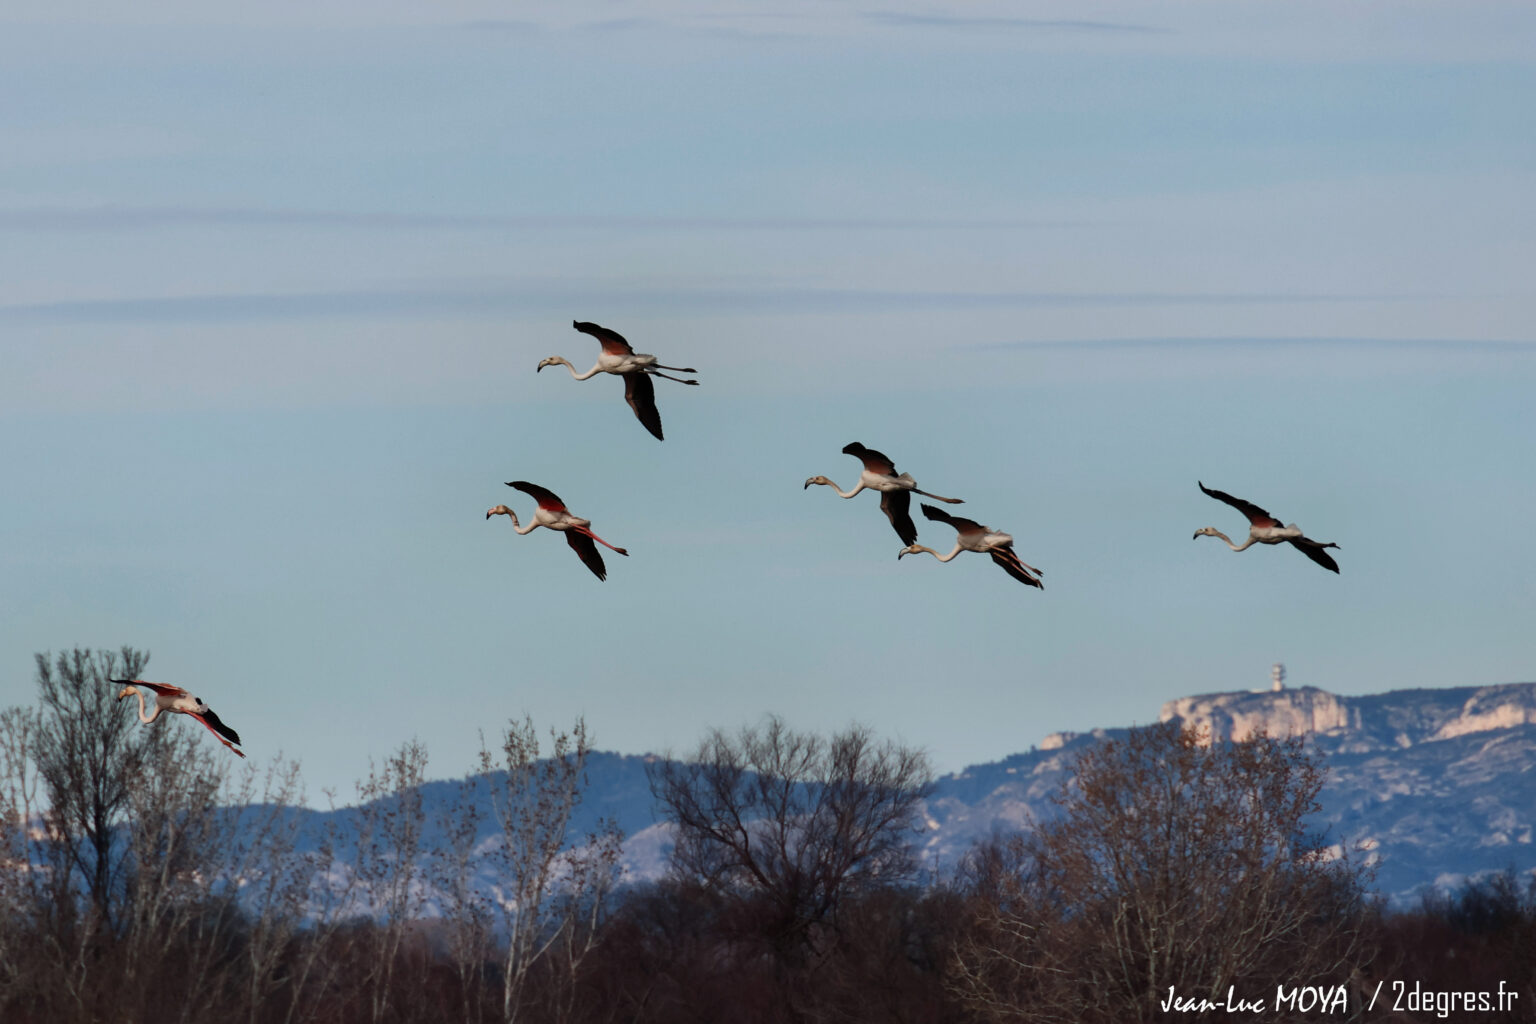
[[391, 821], [467, 925], [88, 753], [325, 894], [580, 909], [790, 824], [547, 899], [175, 913], [1175, 864], [22, 888], [273, 882]]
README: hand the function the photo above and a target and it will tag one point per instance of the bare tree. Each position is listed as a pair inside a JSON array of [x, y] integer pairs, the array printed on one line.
[[1175, 866], [467, 925], [87, 755], [176, 910], [324, 891], [391, 821], [579, 912], [274, 881], [550, 900], [117, 876], [23, 888], [791, 823]]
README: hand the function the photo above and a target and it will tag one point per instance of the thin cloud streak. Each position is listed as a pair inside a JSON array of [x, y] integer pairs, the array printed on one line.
[[991, 23], [364, 303], [511, 25], [136, 218], [1266, 344]]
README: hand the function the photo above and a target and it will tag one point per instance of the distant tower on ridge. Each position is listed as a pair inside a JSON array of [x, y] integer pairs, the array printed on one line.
[[1277, 675]]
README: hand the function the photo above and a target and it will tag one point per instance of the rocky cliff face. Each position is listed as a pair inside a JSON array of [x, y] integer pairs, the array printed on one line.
[[1395, 720], [1428, 787]]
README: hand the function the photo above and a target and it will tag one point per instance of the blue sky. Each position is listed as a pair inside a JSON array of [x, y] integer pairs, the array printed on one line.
[[273, 285]]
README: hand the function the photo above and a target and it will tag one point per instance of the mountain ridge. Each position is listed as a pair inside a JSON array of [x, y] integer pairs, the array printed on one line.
[[1428, 787]]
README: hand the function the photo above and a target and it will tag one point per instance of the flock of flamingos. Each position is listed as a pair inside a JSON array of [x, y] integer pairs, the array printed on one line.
[[879, 474]]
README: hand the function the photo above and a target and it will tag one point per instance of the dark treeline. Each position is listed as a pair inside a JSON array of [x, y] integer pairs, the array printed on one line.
[[141, 880]]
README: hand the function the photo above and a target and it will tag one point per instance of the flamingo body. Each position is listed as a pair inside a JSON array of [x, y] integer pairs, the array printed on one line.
[[637, 369], [552, 514], [972, 536], [1264, 528], [896, 489], [179, 701]]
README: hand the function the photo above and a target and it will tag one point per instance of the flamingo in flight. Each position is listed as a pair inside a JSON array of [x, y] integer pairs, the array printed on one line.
[[553, 515], [972, 536], [1266, 529], [895, 489], [636, 368], [174, 698]]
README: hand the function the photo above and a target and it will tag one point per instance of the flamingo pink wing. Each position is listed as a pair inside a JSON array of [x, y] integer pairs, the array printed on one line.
[[218, 728], [640, 393], [612, 341], [1010, 564], [163, 689], [875, 462], [543, 495], [1256, 516], [960, 523], [587, 551]]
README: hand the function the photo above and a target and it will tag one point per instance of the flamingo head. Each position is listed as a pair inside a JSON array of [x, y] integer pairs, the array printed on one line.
[[127, 691], [1207, 531], [817, 480], [502, 510], [910, 549], [552, 361]]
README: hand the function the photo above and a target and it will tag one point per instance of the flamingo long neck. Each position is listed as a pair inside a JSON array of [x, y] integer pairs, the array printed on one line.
[[562, 361], [146, 719], [856, 488], [520, 528], [1244, 547], [915, 548]]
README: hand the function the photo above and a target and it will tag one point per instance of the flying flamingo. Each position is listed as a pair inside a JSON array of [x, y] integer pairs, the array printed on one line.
[[636, 368], [896, 490], [553, 514], [174, 698], [1266, 529], [972, 536]]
